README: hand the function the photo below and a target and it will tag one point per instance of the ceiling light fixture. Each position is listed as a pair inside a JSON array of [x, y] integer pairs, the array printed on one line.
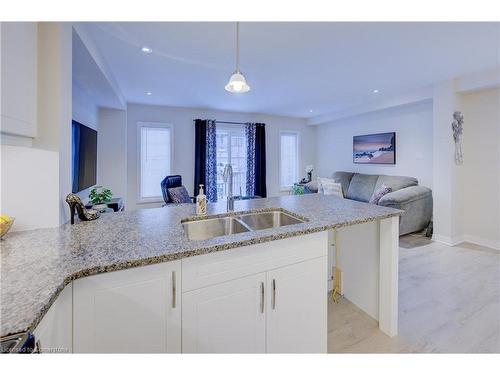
[[149, 93], [237, 82], [146, 50], [311, 111], [375, 91]]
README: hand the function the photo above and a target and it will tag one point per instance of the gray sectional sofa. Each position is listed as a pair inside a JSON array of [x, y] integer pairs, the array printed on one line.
[[406, 195]]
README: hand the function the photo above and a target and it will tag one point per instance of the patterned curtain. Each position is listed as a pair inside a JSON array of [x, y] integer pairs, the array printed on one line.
[[260, 160], [200, 154], [256, 159], [211, 166], [205, 158], [250, 136]]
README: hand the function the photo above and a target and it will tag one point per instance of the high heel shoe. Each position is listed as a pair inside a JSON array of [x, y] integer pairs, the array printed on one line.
[[75, 204]]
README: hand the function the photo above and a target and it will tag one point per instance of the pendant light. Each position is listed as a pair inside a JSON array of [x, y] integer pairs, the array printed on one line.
[[237, 82]]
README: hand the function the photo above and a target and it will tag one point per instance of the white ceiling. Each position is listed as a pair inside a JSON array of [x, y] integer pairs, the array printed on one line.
[[291, 67]]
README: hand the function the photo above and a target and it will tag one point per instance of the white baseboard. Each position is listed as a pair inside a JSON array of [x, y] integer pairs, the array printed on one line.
[[495, 245], [450, 241], [441, 239], [466, 238]]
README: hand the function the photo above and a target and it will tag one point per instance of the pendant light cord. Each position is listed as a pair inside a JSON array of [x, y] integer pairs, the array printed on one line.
[[237, 47]]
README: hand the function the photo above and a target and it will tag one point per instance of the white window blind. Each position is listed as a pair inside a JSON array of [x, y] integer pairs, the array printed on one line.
[[155, 159], [289, 159]]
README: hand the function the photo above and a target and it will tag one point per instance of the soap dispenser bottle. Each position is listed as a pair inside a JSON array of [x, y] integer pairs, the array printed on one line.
[[201, 202]]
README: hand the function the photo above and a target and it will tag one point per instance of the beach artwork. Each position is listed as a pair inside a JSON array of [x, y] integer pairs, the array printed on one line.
[[374, 148]]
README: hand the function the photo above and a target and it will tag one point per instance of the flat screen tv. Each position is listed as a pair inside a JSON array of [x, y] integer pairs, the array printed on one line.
[[84, 156]]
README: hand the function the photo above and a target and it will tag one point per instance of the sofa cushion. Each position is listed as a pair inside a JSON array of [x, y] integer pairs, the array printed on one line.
[[403, 196], [395, 182], [416, 201], [344, 178], [362, 186]]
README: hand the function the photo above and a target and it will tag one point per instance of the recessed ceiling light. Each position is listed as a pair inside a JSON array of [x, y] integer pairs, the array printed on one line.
[[375, 91], [146, 50], [149, 93], [311, 111]]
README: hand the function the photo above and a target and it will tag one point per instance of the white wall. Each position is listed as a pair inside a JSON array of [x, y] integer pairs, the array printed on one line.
[[447, 211], [54, 101], [112, 151], [30, 187], [85, 111], [414, 152], [182, 121], [480, 172]]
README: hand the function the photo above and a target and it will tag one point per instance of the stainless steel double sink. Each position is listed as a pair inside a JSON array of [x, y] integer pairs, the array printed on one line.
[[204, 229]]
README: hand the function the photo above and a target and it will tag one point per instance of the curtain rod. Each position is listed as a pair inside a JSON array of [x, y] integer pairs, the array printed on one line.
[[229, 122]]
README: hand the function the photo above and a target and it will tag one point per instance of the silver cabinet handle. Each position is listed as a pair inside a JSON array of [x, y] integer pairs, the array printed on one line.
[[262, 298], [273, 301], [174, 290]]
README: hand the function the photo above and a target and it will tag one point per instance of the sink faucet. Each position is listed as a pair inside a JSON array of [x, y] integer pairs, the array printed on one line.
[[228, 180]]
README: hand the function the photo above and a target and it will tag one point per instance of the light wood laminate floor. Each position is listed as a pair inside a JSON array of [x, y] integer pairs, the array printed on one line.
[[449, 302]]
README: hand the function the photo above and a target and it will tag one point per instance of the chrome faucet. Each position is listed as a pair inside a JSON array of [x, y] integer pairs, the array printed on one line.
[[228, 180]]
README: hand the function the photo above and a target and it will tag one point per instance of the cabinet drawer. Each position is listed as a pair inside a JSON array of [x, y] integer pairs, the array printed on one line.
[[210, 269]]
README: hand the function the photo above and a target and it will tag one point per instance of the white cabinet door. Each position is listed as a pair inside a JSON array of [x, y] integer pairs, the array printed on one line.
[[131, 311], [225, 318], [296, 308], [54, 332], [18, 107]]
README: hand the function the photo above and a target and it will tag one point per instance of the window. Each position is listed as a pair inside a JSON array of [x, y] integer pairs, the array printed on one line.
[[155, 158], [289, 159], [232, 149]]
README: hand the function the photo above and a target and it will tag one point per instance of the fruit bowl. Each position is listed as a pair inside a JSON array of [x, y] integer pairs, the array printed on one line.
[[5, 226]]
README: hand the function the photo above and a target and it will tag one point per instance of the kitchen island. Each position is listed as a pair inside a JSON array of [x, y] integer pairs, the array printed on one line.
[[39, 267]]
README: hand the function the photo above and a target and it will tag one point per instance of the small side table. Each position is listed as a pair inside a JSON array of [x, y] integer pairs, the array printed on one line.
[[116, 204]]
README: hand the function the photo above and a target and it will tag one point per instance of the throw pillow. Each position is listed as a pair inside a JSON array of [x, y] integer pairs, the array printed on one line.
[[379, 193], [320, 187], [328, 186], [179, 195]]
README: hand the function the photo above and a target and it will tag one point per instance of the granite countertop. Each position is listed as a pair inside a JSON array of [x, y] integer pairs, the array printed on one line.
[[37, 264]]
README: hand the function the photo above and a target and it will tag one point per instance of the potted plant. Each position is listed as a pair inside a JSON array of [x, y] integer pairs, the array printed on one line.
[[99, 196]]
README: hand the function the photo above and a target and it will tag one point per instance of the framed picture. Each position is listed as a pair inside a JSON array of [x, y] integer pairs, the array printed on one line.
[[374, 148]]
